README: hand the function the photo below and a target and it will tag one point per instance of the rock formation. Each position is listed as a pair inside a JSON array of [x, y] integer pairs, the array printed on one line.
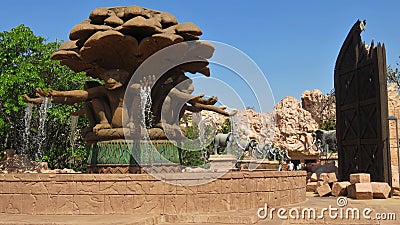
[[292, 125], [322, 107]]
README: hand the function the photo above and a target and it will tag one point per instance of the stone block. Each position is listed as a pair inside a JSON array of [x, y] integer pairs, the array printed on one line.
[[320, 183], [380, 190], [198, 203], [360, 191], [324, 177], [64, 204], [311, 187], [115, 204], [175, 204], [324, 190], [340, 188], [314, 177], [360, 178], [89, 204], [332, 178]]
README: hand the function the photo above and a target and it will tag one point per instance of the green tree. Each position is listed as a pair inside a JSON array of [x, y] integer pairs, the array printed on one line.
[[25, 65], [393, 75]]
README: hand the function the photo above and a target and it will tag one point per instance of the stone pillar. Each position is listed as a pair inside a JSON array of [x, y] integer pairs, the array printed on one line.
[[394, 110]]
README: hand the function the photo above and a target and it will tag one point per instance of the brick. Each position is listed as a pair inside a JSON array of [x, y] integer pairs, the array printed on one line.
[[360, 178], [380, 190], [340, 188], [360, 191], [324, 190], [312, 187]]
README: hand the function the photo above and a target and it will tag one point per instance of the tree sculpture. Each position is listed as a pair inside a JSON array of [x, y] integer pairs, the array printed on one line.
[[111, 45]]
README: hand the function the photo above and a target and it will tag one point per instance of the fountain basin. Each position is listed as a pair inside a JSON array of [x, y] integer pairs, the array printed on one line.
[[127, 156], [136, 194]]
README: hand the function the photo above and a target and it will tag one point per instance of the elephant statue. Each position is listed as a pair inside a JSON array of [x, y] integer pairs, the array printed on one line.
[[250, 147], [325, 140], [265, 152], [224, 140]]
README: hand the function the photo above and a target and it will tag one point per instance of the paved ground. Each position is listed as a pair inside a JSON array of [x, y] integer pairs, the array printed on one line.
[[371, 208]]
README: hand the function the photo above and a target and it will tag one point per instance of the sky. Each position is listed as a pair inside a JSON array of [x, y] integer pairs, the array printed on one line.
[[293, 43]]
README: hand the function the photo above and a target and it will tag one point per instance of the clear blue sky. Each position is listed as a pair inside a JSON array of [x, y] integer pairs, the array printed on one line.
[[295, 43]]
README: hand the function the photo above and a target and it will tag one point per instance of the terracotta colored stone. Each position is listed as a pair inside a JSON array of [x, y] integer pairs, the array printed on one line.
[[380, 190], [324, 190], [340, 188], [360, 178], [360, 191]]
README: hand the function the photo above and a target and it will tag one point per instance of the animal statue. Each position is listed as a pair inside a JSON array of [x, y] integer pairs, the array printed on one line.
[[224, 140], [280, 155], [250, 147], [325, 140], [265, 152]]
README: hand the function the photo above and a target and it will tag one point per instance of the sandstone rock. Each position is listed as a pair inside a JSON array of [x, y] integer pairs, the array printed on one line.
[[324, 190], [322, 107], [380, 190], [360, 191], [340, 188], [292, 122], [311, 186], [360, 178]]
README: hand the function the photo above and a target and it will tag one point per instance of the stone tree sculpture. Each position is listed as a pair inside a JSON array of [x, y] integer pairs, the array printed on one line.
[[111, 45]]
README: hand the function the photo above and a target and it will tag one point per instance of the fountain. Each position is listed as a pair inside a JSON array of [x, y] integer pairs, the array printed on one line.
[[143, 58]]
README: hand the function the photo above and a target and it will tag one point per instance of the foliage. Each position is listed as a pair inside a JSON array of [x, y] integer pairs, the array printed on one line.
[[329, 125], [195, 153], [393, 75], [25, 65], [226, 126]]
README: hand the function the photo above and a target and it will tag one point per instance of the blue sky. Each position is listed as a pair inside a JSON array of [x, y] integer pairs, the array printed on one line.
[[294, 43]]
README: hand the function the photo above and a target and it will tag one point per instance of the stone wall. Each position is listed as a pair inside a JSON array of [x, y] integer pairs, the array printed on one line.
[[394, 110], [137, 194]]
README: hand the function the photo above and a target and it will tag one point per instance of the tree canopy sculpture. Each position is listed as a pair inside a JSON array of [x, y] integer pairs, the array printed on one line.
[[110, 45]]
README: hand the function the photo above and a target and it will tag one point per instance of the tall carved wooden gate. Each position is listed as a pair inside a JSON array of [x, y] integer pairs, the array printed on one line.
[[361, 108]]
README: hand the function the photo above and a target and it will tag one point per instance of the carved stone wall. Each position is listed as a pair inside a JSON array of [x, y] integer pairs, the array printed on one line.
[[138, 194]]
